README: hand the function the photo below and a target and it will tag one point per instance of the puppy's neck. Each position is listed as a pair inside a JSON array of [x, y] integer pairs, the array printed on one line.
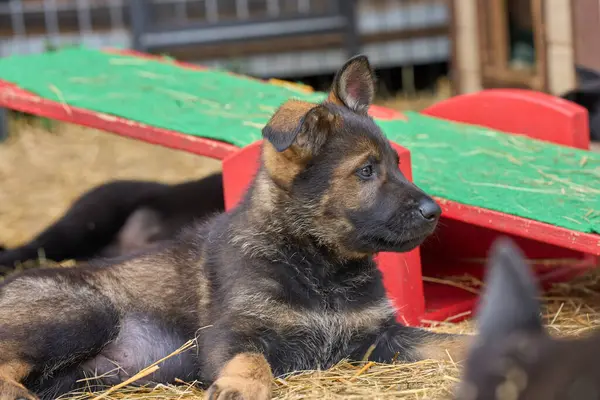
[[273, 220]]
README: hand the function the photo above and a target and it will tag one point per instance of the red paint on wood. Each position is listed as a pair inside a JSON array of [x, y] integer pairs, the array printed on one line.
[[467, 232], [534, 114], [239, 170], [18, 99], [588, 243]]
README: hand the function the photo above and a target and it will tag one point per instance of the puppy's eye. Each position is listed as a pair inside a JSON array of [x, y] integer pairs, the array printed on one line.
[[366, 172]]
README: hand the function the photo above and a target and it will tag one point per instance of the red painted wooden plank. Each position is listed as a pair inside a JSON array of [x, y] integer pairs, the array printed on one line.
[[18, 99], [585, 242], [535, 114]]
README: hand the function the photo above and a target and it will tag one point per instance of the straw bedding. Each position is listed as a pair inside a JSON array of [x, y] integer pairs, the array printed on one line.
[[42, 172], [569, 310]]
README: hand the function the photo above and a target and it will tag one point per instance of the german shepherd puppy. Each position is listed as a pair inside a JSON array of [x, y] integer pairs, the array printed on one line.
[[121, 217], [285, 281], [514, 357]]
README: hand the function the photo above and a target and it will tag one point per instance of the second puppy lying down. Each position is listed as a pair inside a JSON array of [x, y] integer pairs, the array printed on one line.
[[120, 218]]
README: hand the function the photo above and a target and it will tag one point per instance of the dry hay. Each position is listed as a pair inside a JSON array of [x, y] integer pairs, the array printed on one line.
[[571, 309], [42, 172], [419, 100]]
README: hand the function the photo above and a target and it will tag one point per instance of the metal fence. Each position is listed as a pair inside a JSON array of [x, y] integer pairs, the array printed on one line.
[[240, 21]]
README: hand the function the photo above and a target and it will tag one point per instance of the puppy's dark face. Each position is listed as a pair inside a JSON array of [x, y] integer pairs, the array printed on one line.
[[341, 174]]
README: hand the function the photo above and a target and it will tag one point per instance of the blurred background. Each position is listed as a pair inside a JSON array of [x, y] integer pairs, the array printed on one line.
[[421, 48], [408, 41], [423, 51]]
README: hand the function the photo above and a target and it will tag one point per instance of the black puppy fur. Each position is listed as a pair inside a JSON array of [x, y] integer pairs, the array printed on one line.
[[587, 95], [120, 218]]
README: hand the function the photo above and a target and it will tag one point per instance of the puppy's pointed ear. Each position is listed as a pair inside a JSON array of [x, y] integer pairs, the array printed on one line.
[[299, 127], [510, 301], [354, 85]]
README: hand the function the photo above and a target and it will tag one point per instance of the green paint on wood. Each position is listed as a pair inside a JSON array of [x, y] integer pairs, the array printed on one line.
[[464, 163]]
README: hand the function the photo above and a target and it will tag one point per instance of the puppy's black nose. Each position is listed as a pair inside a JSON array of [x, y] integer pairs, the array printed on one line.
[[429, 209]]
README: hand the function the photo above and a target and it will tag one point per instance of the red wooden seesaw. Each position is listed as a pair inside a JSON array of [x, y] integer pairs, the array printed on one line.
[[465, 231]]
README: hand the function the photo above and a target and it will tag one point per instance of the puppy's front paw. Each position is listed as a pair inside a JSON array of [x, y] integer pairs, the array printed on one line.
[[14, 391], [238, 389]]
